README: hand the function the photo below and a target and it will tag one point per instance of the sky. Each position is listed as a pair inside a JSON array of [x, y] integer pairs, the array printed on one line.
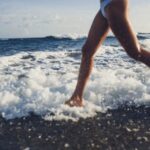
[[39, 18]]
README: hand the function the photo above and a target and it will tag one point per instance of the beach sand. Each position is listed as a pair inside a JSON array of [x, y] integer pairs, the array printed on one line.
[[124, 128]]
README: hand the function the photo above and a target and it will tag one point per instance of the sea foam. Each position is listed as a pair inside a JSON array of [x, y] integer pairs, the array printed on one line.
[[42, 85]]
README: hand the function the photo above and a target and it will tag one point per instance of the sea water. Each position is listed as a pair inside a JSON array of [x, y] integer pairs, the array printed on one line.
[[39, 74]]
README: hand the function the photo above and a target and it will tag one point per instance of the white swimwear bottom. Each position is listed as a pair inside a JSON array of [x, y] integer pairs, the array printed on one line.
[[104, 3]]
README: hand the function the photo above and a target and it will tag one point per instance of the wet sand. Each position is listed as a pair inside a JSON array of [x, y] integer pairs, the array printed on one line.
[[124, 128]]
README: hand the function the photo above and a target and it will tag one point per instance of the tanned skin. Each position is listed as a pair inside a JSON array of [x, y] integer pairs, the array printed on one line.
[[117, 19]]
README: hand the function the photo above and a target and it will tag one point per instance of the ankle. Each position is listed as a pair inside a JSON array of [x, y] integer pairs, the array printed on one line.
[[77, 97]]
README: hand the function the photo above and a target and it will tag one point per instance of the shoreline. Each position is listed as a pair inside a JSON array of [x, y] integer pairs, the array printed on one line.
[[124, 128]]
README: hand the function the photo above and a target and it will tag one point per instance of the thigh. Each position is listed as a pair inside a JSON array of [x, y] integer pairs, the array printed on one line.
[[97, 33], [117, 16]]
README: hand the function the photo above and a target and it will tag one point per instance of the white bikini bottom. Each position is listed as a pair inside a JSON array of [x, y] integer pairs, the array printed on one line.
[[104, 3]]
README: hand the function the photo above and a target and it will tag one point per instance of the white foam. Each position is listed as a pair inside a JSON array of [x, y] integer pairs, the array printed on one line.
[[72, 36], [42, 87]]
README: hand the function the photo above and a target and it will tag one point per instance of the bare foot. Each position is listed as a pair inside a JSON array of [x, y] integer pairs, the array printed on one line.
[[75, 102]]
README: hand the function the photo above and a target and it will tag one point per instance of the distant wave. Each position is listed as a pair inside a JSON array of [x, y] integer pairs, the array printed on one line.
[[64, 38], [71, 37], [51, 37], [140, 35], [143, 36], [144, 33], [4, 39]]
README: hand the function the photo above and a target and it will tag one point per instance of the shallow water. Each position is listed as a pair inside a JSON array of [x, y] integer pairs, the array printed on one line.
[[38, 75]]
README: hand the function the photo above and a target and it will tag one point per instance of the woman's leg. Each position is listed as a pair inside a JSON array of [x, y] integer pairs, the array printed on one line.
[[97, 34], [117, 16]]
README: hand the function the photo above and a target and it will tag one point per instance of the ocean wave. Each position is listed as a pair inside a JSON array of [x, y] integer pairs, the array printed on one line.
[[40, 82], [141, 36], [50, 37], [4, 39], [68, 36], [57, 38]]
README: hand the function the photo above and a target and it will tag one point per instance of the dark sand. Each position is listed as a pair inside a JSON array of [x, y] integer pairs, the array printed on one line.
[[124, 128]]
